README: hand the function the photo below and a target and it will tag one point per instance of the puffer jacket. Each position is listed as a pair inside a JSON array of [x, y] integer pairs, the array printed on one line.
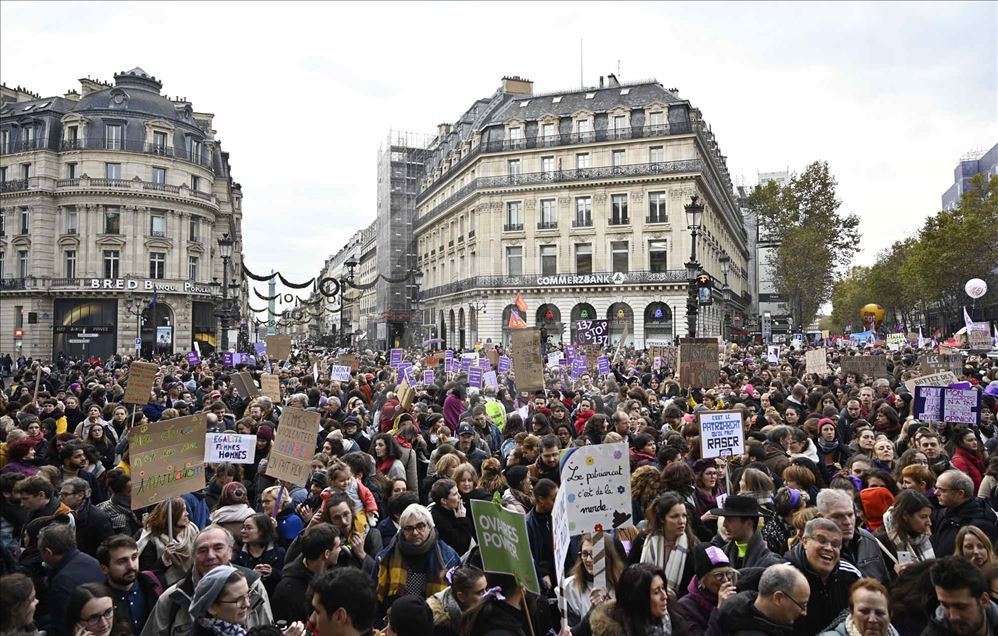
[[446, 613]]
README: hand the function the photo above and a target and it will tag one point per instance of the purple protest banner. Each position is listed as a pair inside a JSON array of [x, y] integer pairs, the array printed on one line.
[[427, 378], [570, 352], [578, 367], [563, 362], [603, 363], [448, 355], [491, 379], [505, 364], [261, 348], [193, 359], [451, 366], [465, 364], [396, 357], [475, 377], [227, 359], [405, 372]]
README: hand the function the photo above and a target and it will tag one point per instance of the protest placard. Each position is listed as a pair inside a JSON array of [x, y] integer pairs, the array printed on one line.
[[340, 373], [279, 347], [721, 433], [141, 377], [872, 366], [773, 354], [979, 336], [936, 362], [475, 377], [529, 364], [270, 385], [193, 358], [166, 459], [578, 368], [504, 543], [943, 404], [395, 357], [432, 362], [816, 361], [451, 366], [896, 341], [229, 447], [406, 395], [244, 384], [294, 445], [595, 332], [427, 377], [596, 480], [348, 360], [698, 364], [490, 379], [448, 354], [504, 364], [260, 347], [603, 363], [227, 360], [493, 355], [554, 359], [561, 535], [943, 378]]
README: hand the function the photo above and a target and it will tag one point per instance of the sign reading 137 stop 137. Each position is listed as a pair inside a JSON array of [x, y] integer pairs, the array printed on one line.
[[596, 332], [721, 434]]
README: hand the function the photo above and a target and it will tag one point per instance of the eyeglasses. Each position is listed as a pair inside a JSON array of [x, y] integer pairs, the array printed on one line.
[[824, 542], [587, 554], [94, 619], [725, 575], [801, 606], [242, 600], [419, 527]]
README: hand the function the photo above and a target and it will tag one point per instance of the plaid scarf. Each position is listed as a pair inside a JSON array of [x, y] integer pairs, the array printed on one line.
[[393, 572]]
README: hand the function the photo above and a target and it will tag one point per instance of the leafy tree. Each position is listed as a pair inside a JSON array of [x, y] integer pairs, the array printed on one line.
[[815, 239]]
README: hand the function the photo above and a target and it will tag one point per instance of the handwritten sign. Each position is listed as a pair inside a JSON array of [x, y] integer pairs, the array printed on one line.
[[294, 445], [504, 364], [229, 447], [721, 433], [896, 341], [979, 336], [529, 364], [942, 404], [816, 361], [554, 359], [340, 373], [872, 366], [504, 542], [348, 360], [167, 459], [943, 378], [244, 384], [432, 362], [270, 385], [592, 332], [279, 347], [406, 395], [141, 377], [935, 362], [698, 364], [596, 480]]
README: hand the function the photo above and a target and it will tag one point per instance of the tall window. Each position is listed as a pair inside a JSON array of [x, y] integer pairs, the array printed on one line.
[[195, 183], [516, 137], [657, 256], [71, 170], [70, 263], [2, 254], [112, 170], [547, 131], [112, 263], [656, 154], [549, 217], [157, 225], [547, 165], [584, 258], [618, 124], [3, 173], [5, 142], [193, 149], [582, 160], [114, 136], [71, 220], [549, 260], [25, 220], [192, 268], [618, 158], [157, 265], [514, 261], [514, 215], [513, 167], [618, 255], [73, 136], [195, 229], [584, 129], [3, 224], [25, 171], [158, 175], [112, 220], [618, 210], [28, 136], [656, 208], [159, 142], [583, 211], [656, 120], [22, 263]]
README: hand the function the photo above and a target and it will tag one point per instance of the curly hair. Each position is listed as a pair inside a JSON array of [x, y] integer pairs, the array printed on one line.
[[646, 484]]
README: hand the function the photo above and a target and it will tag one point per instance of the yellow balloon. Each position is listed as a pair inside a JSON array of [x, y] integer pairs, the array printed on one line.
[[872, 316]]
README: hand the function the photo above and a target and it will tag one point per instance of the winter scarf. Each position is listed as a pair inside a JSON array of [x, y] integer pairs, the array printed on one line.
[[654, 552], [852, 630], [177, 556], [920, 547], [220, 627]]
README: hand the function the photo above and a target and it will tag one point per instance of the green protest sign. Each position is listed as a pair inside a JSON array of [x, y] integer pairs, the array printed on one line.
[[502, 537]]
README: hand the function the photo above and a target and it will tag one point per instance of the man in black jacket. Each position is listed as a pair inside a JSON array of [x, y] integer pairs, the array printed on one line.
[[134, 592], [783, 594], [828, 575], [539, 529], [320, 547], [68, 568], [93, 525], [959, 507]]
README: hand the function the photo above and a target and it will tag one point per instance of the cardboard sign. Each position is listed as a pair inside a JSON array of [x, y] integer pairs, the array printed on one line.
[[529, 364], [505, 364], [896, 341], [554, 359], [721, 433], [596, 481], [979, 336], [244, 384], [942, 404], [270, 385], [395, 357], [666, 354], [936, 362], [432, 362], [406, 395], [340, 373], [943, 378], [229, 447], [698, 364], [504, 542], [427, 378], [290, 458], [592, 332], [348, 360], [193, 359], [167, 459], [872, 366], [816, 361], [492, 355], [279, 347], [141, 377]]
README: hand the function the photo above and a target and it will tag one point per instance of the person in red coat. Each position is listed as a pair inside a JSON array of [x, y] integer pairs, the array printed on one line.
[[965, 454]]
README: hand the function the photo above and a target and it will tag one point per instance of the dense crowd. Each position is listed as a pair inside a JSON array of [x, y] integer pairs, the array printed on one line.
[[845, 515]]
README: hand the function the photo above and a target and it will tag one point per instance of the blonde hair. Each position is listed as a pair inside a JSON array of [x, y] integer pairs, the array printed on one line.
[[272, 492]]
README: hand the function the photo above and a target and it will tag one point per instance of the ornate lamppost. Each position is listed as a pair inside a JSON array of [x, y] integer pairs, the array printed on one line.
[[694, 218]]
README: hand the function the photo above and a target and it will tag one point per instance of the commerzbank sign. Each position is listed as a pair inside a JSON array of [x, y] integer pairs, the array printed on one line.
[[617, 278], [186, 287]]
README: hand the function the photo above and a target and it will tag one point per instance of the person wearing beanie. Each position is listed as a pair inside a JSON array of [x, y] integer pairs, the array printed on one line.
[[876, 501], [519, 497], [233, 508], [713, 582], [221, 602], [409, 615]]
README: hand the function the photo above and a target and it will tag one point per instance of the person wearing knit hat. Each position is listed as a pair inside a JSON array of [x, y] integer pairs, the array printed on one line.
[[265, 432], [876, 501], [714, 582], [233, 508], [221, 603], [409, 615]]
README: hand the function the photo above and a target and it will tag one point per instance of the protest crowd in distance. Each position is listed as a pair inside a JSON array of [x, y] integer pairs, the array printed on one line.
[[816, 488]]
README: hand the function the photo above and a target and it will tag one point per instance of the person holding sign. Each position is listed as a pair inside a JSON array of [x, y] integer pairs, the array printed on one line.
[[501, 610], [167, 556], [579, 593], [642, 606]]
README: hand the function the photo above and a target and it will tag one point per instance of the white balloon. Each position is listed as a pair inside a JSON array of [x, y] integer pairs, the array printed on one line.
[[975, 288]]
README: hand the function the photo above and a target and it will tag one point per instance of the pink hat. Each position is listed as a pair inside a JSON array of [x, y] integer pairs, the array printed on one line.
[[750, 390]]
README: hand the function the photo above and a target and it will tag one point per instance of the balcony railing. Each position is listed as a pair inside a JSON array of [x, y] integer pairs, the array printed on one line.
[[157, 233], [656, 218], [608, 279], [11, 284], [160, 187], [71, 144], [512, 227], [587, 222], [15, 185], [547, 225], [620, 220], [471, 234], [196, 156]]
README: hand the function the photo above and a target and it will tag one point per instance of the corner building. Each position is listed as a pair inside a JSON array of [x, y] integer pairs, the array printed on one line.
[[111, 204], [576, 200]]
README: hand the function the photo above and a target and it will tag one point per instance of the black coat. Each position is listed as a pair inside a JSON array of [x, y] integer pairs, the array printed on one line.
[[272, 556], [946, 522], [738, 616], [75, 569], [93, 525], [828, 598], [456, 532], [290, 601]]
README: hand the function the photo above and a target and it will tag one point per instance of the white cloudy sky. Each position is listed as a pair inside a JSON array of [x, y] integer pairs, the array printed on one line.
[[890, 94]]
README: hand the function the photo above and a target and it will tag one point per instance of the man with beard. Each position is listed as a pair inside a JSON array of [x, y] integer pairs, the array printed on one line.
[[548, 462], [134, 592], [92, 524], [965, 607]]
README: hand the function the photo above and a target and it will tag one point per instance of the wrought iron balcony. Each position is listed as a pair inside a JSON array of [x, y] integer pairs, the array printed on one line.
[[619, 220], [656, 218], [586, 222], [547, 225], [71, 144], [15, 185], [607, 279], [512, 227], [157, 233]]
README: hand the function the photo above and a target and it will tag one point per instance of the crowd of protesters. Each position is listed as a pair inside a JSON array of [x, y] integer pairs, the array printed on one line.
[[844, 516]]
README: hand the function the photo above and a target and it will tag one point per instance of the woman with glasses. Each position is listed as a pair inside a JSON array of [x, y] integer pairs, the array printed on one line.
[[707, 486], [580, 595], [714, 583], [416, 561], [221, 603], [90, 612]]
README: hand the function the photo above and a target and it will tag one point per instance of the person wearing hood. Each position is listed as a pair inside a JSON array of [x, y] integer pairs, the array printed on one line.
[[959, 507], [869, 612], [713, 583], [783, 597], [965, 606]]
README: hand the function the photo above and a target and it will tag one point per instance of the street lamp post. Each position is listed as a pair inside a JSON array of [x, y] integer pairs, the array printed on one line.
[[694, 217], [725, 261], [417, 277], [134, 307], [476, 307], [346, 328], [225, 250]]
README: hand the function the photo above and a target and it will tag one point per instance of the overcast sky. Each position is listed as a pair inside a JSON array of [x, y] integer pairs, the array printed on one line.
[[891, 95]]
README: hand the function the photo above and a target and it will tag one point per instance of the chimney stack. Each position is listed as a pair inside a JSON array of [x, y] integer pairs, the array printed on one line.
[[514, 85], [612, 81], [443, 129]]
